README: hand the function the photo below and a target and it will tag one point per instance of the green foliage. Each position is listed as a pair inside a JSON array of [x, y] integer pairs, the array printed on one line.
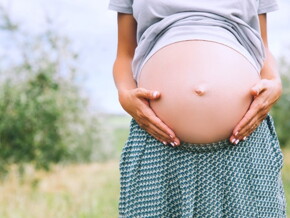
[[44, 116], [29, 123], [281, 110]]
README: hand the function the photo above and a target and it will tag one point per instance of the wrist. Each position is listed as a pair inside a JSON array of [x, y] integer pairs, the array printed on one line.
[[123, 91], [275, 79], [277, 83], [123, 96], [279, 86]]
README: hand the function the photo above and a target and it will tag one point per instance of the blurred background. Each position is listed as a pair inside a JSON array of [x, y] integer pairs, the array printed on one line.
[[61, 126]]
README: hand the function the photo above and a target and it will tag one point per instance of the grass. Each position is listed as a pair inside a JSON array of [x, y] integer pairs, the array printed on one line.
[[286, 177], [80, 190], [75, 191], [118, 126]]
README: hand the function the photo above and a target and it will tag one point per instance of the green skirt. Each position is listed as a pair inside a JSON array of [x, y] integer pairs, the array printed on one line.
[[202, 180]]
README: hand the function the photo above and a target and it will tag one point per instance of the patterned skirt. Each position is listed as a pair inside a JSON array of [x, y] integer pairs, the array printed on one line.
[[202, 180]]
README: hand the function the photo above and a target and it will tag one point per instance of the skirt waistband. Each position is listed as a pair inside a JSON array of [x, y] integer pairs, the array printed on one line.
[[206, 147]]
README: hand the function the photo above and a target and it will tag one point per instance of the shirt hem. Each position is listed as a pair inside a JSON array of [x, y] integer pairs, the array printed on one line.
[[239, 50]]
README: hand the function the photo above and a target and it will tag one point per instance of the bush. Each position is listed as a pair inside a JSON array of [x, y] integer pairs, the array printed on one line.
[[44, 116], [281, 110]]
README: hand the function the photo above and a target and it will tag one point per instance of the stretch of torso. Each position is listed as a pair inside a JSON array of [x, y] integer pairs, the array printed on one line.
[[204, 85]]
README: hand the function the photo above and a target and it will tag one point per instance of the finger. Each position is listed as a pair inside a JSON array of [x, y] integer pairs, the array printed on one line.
[[259, 116], [258, 111], [159, 135], [253, 127], [148, 114], [159, 132], [162, 126], [258, 88], [148, 94], [156, 133], [250, 129], [244, 121], [152, 130], [152, 124], [247, 129], [259, 106], [151, 118], [159, 124]]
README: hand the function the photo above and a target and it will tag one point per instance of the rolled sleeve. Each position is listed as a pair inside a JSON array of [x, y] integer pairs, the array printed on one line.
[[266, 6], [122, 6]]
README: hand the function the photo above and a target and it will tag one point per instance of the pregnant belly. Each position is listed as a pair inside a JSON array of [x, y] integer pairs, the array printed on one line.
[[205, 88]]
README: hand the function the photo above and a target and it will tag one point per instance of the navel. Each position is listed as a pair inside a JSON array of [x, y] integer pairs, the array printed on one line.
[[200, 90]]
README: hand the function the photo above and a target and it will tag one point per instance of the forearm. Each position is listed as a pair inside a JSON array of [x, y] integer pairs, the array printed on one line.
[[122, 73], [270, 69]]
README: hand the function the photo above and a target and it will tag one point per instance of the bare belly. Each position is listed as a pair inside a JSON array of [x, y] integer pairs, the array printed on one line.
[[204, 86]]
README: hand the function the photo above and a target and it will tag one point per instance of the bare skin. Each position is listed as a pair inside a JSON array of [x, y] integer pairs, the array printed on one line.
[[134, 100], [266, 92], [205, 88]]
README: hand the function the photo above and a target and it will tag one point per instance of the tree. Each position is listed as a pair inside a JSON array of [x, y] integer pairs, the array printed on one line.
[[44, 116], [281, 110]]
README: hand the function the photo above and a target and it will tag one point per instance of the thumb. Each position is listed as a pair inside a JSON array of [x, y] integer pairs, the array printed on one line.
[[149, 94], [258, 88]]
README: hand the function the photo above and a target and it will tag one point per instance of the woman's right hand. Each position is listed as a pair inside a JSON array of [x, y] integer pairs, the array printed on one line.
[[136, 103]]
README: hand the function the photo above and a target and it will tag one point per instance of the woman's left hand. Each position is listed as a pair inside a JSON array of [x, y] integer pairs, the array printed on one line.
[[266, 92]]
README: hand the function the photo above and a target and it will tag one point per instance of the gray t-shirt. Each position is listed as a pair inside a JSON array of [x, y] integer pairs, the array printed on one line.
[[234, 23]]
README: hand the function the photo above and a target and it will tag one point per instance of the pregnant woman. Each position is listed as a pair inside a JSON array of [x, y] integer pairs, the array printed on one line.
[[198, 79]]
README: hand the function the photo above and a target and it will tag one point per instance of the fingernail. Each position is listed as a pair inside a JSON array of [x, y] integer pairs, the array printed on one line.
[[244, 138], [165, 143], [175, 143], [237, 132], [172, 144], [237, 141], [155, 93], [171, 136], [233, 140]]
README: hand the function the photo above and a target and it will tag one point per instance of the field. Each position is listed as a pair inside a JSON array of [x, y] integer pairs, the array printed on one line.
[[76, 191]]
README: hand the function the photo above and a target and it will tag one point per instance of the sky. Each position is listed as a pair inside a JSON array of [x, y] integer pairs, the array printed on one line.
[[92, 29]]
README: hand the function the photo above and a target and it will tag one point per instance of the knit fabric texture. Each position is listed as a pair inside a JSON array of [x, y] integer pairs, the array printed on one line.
[[212, 180]]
